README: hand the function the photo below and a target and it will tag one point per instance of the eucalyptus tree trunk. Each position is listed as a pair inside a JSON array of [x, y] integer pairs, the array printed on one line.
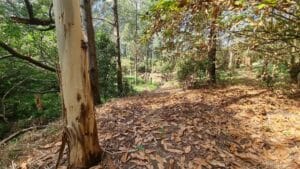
[[117, 34], [212, 51], [88, 29], [79, 112]]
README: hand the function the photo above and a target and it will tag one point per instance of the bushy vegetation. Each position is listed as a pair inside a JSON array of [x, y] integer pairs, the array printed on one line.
[[106, 52], [294, 71], [21, 85], [191, 68]]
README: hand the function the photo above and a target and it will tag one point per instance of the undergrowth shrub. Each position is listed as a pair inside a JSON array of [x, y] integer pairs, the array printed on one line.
[[191, 72], [294, 70]]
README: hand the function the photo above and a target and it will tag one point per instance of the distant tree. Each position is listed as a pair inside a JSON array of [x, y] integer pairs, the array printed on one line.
[[86, 14], [118, 47]]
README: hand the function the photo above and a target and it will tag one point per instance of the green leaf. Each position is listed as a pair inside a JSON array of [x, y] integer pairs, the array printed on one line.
[[261, 6]]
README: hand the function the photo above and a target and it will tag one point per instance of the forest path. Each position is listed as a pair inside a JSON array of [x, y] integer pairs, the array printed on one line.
[[223, 127], [229, 127]]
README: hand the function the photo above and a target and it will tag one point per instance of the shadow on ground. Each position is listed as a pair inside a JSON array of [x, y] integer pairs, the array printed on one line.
[[228, 127]]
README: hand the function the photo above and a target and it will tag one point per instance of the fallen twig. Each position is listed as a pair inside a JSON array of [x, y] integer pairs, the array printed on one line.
[[61, 149], [120, 152], [20, 132]]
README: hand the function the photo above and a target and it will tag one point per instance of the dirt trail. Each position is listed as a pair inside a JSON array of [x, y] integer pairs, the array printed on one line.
[[228, 127], [232, 127]]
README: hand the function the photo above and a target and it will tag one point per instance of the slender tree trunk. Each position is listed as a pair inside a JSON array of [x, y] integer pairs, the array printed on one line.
[[264, 70], [87, 24], [293, 60], [117, 34], [79, 112], [213, 46], [135, 39], [231, 60]]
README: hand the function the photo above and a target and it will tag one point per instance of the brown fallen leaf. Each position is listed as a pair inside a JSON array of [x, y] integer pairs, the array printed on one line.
[[217, 163], [181, 162], [159, 159], [200, 162], [171, 164], [167, 145], [139, 162], [139, 155], [188, 149], [149, 151], [24, 165], [124, 157], [58, 143], [47, 146], [249, 157]]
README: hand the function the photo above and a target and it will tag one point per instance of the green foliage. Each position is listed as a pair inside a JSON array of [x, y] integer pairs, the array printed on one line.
[[190, 67], [106, 52], [294, 71], [4, 128], [140, 85], [20, 83]]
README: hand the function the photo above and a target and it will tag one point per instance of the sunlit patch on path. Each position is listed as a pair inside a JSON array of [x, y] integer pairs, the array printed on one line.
[[232, 127]]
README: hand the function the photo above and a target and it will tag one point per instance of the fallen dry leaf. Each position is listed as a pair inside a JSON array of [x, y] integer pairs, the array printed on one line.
[[159, 159], [167, 145], [217, 163], [124, 157], [187, 149]]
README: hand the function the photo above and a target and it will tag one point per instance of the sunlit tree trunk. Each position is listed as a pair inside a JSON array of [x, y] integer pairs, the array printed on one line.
[[79, 113], [212, 51], [117, 34], [231, 64], [88, 28]]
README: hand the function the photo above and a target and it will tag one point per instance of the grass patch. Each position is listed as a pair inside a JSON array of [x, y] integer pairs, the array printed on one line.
[[141, 85]]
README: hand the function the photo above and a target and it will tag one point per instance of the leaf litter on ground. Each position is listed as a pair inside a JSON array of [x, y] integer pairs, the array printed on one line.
[[229, 127]]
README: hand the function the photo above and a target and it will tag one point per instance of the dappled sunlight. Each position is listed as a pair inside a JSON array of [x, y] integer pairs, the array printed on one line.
[[233, 127]]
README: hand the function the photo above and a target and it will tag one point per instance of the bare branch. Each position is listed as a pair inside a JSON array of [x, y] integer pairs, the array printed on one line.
[[105, 20], [51, 27], [4, 96], [31, 20], [26, 58], [4, 57]]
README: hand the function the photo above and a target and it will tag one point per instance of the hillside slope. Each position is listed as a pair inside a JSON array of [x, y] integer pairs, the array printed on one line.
[[230, 127]]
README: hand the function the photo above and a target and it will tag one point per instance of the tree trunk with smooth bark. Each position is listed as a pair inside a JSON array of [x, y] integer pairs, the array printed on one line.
[[78, 104]]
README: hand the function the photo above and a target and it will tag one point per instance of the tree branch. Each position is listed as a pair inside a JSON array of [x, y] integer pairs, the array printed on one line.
[[27, 58], [20, 132], [4, 96], [4, 57], [51, 27], [106, 20], [32, 20]]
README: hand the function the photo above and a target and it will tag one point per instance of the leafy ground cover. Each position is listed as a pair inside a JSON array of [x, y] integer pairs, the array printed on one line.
[[222, 127]]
